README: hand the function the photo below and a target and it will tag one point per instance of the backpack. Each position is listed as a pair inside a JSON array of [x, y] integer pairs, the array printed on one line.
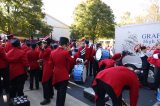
[[105, 54]]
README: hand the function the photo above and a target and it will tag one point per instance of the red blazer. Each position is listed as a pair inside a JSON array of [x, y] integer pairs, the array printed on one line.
[[47, 71], [8, 46], [33, 56], [25, 48], [117, 78], [59, 61], [3, 58], [155, 62], [17, 62], [38, 49]]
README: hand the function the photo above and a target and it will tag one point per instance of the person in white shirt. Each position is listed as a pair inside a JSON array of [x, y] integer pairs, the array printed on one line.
[[145, 64]]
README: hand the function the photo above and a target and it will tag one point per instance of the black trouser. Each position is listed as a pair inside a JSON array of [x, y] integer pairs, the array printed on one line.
[[48, 91], [17, 85], [101, 89], [157, 77], [90, 68], [61, 88], [95, 67], [4, 84], [34, 74], [40, 74], [145, 76]]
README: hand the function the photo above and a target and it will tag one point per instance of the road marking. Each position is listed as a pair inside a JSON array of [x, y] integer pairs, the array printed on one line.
[[77, 85]]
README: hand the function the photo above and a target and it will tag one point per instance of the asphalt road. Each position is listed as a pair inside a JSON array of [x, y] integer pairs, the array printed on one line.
[[147, 97]]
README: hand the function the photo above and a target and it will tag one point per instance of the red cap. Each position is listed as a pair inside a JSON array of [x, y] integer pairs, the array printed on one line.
[[116, 56]]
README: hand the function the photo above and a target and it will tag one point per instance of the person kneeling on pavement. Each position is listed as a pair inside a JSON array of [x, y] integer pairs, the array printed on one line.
[[155, 60], [112, 81]]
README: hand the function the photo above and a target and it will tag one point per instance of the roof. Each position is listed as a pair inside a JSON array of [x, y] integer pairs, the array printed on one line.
[[57, 20]]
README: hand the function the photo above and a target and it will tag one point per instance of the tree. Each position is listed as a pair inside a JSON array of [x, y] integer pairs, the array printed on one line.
[[93, 18], [23, 17], [126, 19], [152, 15]]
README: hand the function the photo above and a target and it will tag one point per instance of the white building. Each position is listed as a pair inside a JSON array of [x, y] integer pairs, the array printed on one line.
[[59, 28]]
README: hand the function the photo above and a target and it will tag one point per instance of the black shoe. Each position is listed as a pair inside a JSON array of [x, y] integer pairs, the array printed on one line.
[[31, 88], [51, 97], [45, 102]]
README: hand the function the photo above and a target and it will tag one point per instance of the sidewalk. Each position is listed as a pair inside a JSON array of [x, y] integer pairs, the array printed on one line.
[[36, 96]]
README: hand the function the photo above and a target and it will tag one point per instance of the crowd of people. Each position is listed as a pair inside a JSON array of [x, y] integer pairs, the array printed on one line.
[[51, 63]]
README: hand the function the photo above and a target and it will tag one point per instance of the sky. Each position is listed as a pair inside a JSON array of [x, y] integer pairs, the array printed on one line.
[[63, 9]]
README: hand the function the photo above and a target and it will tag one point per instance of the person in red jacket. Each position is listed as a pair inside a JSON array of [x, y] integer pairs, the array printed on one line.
[[157, 50], [33, 57], [8, 45], [59, 61], [18, 64], [47, 72], [112, 81], [4, 72], [106, 63], [26, 46], [84, 52], [155, 60], [118, 57], [92, 54], [157, 68], [38, 49]]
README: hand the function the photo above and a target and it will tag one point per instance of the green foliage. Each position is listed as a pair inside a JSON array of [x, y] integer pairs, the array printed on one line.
[[93, 19], [23, 17]]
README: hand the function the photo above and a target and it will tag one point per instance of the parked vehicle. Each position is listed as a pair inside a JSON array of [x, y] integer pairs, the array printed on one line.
[[128, 38]]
